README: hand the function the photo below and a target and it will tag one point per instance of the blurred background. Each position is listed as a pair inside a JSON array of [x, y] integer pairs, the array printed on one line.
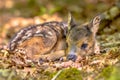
[[15, 14], [80, 9]]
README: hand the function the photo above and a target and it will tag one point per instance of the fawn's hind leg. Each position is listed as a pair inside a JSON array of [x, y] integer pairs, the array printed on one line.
[[57, 52], [53, 56]]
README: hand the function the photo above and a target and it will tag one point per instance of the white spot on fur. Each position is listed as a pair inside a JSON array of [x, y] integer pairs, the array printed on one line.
[[50, 33], [38, 31]]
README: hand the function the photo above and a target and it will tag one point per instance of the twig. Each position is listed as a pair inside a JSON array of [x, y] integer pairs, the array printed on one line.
[[57, 74], [111, 44]]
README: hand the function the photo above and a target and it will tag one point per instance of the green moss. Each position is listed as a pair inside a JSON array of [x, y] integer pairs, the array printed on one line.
[[107, 72], [70, 74], [8, 74], [110, 73], [115, 75]]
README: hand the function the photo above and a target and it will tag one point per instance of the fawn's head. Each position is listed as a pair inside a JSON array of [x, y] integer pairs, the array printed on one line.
[[81, 38]]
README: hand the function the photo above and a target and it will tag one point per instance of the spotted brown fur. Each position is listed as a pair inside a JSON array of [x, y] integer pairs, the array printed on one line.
[[38, 39]]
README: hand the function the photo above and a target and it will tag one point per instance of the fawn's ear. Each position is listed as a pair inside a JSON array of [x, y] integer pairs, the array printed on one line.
[[71, 23], [94, 25]]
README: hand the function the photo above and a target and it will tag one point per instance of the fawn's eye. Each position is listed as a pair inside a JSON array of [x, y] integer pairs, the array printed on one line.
[[84, 45]]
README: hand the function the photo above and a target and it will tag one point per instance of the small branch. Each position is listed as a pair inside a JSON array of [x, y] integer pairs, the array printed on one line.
[[111, 44], [110, 15], [57, 74]]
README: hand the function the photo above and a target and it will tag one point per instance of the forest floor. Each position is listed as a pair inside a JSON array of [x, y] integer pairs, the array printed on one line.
[[104, 66]]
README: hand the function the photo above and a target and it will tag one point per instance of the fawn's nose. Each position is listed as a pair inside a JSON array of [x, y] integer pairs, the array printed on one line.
[[72, 53]]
